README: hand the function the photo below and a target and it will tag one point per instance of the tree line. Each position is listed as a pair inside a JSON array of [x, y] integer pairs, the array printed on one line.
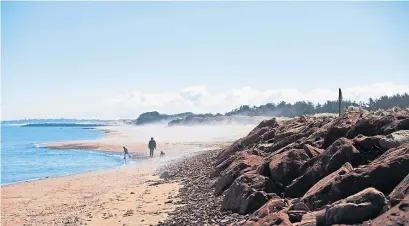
[[283, 109]]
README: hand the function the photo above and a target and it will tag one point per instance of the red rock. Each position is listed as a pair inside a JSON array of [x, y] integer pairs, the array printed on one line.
[[333, 158], [264, 169], [312, 218], [248, 193], [222, 166], [369, 149], [272, 206], [281, 143], [265, 127], [309, 198], [383, 174], [364, 142], [365, 126], [400, 191], [255, 137], [268, 135], [340, 127], [394, 139], [271, 123], [243, 163], [312, 151], [398, 215], [368, 204], [284, 166], [227, 152]]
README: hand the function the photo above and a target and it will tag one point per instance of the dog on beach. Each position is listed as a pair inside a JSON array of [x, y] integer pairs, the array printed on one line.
[[162, 154]]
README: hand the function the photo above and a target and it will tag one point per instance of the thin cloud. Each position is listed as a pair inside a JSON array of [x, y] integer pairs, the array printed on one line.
[[199, 99], [196, 99]]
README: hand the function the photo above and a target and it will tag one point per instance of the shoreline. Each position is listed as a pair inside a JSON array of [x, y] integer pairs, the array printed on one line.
[[116, 137], [200, 205], [83, 198], [104, 144], [131, 194]]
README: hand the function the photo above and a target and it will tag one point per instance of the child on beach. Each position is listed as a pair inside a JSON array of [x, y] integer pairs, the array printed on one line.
[[126, 153]]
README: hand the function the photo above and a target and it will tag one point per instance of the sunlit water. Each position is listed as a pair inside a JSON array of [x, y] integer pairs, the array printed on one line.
[[23, 159]]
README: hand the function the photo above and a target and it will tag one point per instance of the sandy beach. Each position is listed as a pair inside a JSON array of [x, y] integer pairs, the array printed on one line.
[[111, 197], [169, 139], [127, 195]]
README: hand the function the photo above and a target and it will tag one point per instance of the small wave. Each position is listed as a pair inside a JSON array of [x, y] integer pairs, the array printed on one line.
[[63, 125], [39, 145], [13, 124]]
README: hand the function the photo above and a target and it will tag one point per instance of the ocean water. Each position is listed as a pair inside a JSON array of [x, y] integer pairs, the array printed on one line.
[[23, 159]]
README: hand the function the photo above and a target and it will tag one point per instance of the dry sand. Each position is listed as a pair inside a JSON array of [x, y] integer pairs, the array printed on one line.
[[120, 196], [111, 197]]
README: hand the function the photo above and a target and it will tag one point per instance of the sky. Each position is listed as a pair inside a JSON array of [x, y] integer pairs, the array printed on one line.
[[112, 60]]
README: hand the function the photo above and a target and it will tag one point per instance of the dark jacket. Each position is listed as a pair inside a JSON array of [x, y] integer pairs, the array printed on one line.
[[152, 144]]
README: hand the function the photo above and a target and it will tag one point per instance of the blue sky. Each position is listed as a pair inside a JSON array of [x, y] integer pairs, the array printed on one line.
[[116, 60]]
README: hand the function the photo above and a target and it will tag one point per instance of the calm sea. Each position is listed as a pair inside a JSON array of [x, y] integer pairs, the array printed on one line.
[[23, 159]]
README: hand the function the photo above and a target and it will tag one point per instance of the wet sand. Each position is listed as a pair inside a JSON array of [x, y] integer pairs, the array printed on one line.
[[173, 139]]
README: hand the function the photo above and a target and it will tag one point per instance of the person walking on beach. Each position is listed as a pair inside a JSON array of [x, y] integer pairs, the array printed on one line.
[[126, 153], [152, 147]]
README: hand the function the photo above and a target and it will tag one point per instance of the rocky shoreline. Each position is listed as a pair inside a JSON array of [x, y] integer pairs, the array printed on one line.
[[346, 170], [196, 203]]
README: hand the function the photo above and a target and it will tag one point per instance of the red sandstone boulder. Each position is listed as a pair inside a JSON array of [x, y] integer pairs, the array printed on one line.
[[222, 166], [364, 142], [340, 152], [383, 174], [271, 123], [265, 130], [268, 136], [365, 126], [309, 198], [296, 211], [227, 152], [312, 151], [312, 219], [394, 139], [272, 206], [369, 148], [284, 166], [264, 169], [355, 209], [293, 137], [400, 191], [248, 193], [241, 164], [398, 215], [372, 125], [340, 127], [283, 142]]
